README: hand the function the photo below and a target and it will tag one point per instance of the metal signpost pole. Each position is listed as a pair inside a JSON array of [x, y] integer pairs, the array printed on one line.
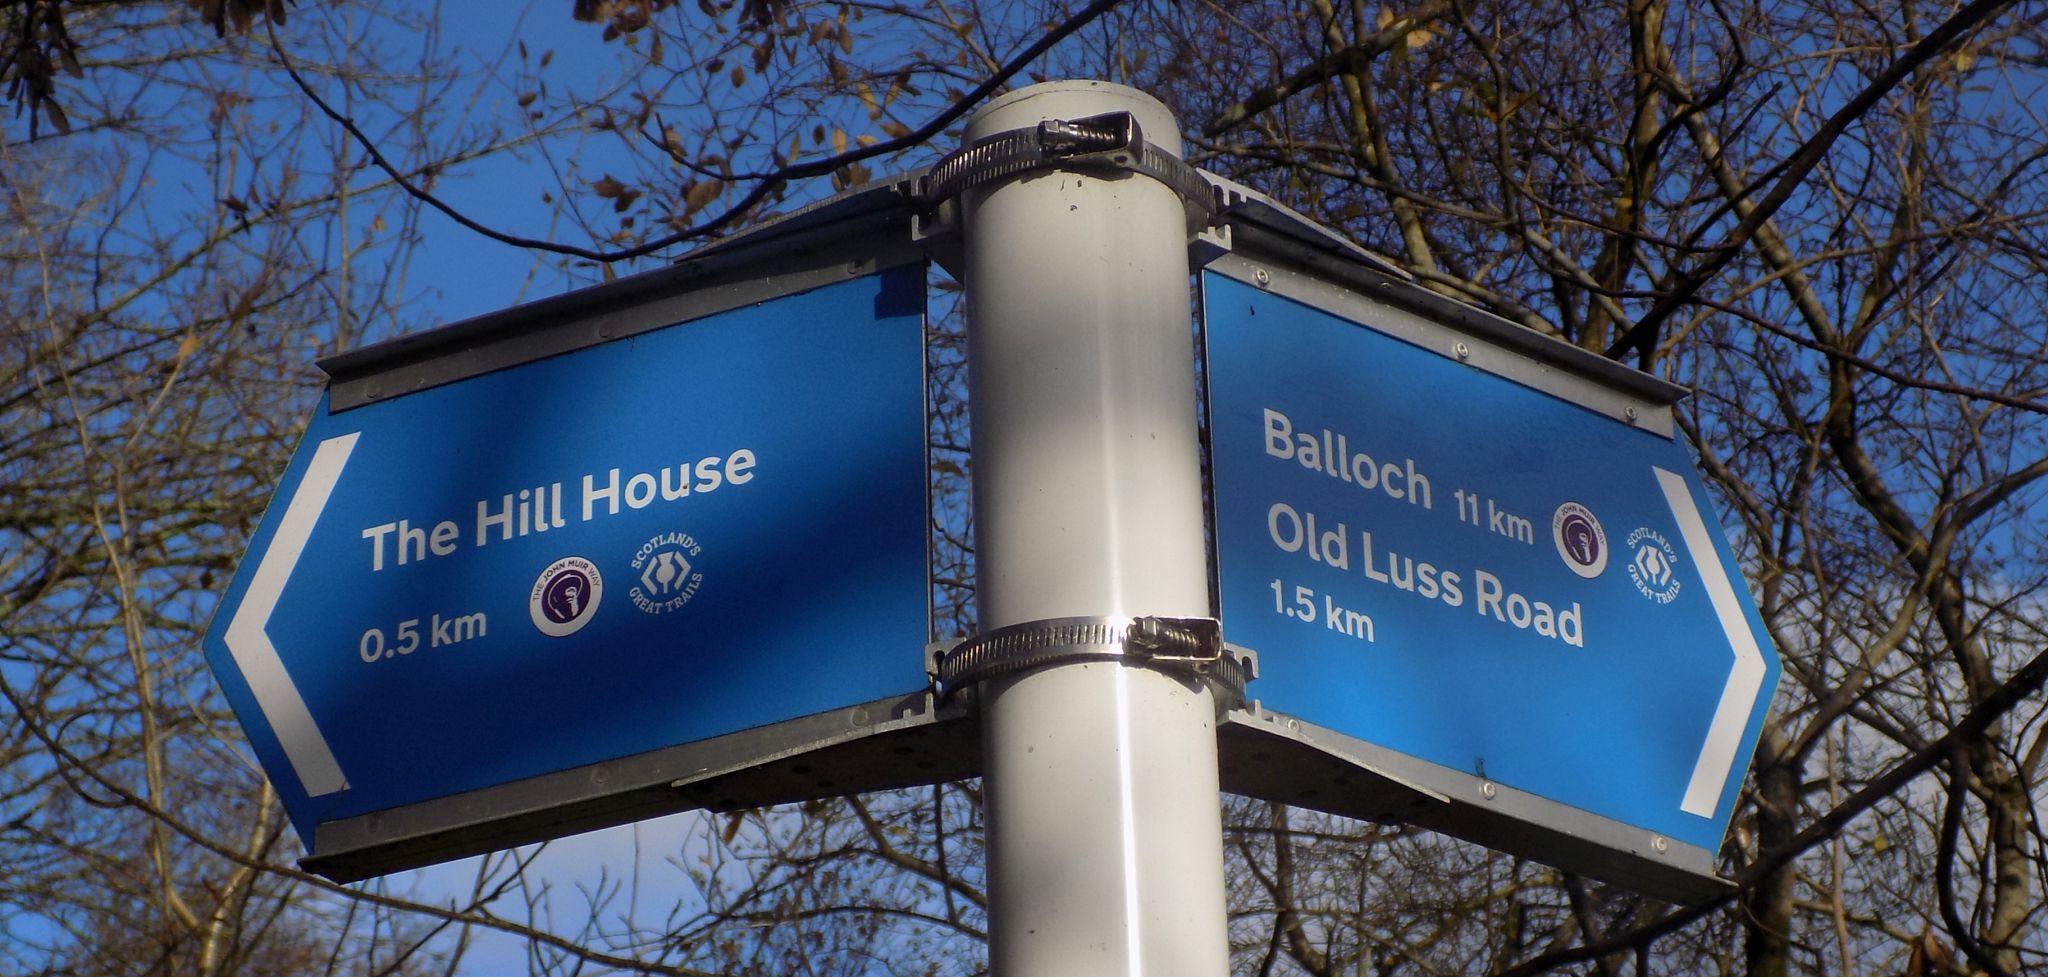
[[1105, 843]]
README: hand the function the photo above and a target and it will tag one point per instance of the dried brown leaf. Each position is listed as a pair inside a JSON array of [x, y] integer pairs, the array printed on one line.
[[700, 194]]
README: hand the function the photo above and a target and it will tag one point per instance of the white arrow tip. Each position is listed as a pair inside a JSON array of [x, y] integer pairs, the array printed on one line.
[[248, 639]]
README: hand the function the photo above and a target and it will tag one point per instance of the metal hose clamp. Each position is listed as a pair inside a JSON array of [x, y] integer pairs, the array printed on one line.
[[1192, 645], [1113, 142]]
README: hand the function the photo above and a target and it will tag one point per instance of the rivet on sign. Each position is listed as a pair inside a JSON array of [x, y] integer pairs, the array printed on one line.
[[1262, 277], [1461, 350], [1630, 413], [1658, 842], [1487, 789]]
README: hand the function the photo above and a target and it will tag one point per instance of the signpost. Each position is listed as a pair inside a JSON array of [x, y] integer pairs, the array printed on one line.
[[662, 545], [562, 566], [1488, 572]]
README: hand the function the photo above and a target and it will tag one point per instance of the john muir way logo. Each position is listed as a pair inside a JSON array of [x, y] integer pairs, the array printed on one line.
[[664, 573], [564, 596], [1580, 540]]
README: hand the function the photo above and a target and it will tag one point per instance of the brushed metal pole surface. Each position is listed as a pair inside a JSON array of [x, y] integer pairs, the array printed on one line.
[[1105, 835]]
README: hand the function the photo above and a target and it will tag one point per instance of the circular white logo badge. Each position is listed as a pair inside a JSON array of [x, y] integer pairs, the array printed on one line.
[[565, 596], [1580, 540], [1653, 566]]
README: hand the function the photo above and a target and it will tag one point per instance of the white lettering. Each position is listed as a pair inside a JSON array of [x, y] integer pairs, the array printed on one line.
[[442, 542], [708, 476], [640, 490], [610, 493], [1295, 534], [1330, 453], [1279, 434], [376, 534], [412, 543], [1527, 614], [485, 519], [739, 467], [680, 488]]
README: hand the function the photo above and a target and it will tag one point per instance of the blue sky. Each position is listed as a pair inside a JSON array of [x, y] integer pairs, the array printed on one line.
[[465, 274], [498, 50]]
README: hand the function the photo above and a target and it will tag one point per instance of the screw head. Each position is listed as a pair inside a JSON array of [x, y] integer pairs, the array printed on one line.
[[1658, 842], [1461, 351], [1262, 276], [1488, 790], [1630, 413]]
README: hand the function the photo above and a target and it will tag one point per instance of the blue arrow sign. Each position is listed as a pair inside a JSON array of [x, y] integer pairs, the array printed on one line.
[[1438, 560], [696, 530]]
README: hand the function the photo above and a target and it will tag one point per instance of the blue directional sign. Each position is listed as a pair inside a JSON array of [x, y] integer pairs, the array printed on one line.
[[675, 535], [1489, 578]]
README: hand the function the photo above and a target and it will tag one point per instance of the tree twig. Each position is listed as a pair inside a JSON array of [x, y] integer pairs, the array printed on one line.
[[763, 186], [1643, 336]]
